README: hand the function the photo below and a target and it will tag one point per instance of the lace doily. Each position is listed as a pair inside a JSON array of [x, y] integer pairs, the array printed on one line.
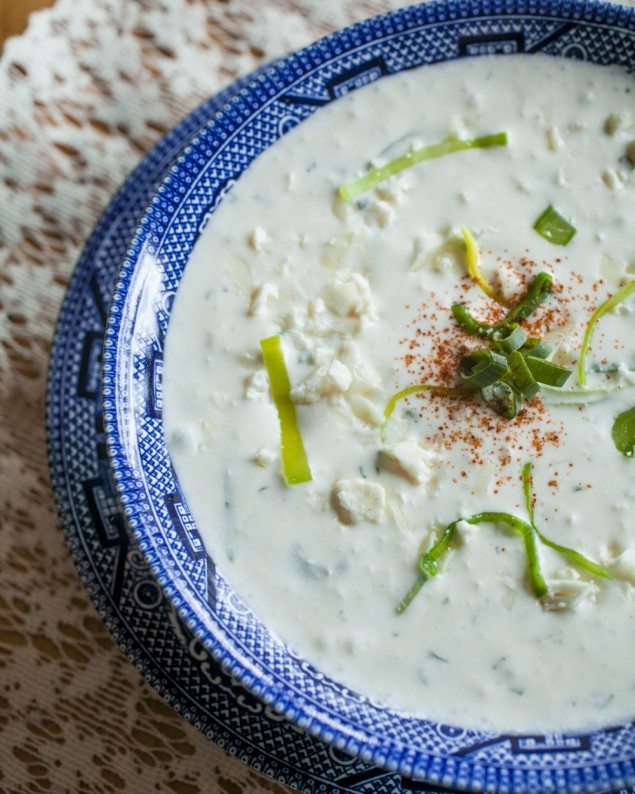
[[84, 93]]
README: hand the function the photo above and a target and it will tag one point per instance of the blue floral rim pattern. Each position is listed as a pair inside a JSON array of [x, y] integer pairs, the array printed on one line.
[[281, 97]]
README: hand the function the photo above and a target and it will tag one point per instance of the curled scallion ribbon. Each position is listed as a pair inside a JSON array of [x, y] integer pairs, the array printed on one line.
[[539, 290], [569, 554], [481, 368], [511, 337], [428, 562], [619, 297]]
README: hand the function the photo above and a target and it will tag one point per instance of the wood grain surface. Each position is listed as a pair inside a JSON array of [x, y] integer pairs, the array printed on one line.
[[14, 15]]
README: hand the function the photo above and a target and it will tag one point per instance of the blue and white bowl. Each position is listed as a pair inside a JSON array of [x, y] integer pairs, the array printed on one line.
[[275, 101]]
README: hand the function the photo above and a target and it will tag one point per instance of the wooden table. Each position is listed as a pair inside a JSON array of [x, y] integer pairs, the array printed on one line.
[[14, 15]]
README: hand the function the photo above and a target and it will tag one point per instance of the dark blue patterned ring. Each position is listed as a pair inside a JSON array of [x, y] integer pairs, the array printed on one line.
[[282, 96]]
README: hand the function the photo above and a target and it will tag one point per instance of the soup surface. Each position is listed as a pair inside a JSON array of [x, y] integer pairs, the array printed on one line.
[[360, 293]]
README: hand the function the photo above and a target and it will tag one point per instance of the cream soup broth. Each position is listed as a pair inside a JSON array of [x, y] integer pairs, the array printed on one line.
[[361, 295]]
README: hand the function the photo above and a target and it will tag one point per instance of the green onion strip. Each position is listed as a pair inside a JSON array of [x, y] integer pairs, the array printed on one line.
[[428, 567], [579, 397], [481, 368], [522, 376], [428, 561], [502, 398], [375, 176], [540, 289], [619, 297], [419, 388], [468, 323], [554, 228], [295, 465], [569, 554], [510, 338], [536, 348], [547, 372]]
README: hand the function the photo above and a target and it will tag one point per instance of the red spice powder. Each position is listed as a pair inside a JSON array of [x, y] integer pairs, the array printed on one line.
[[434, 346]]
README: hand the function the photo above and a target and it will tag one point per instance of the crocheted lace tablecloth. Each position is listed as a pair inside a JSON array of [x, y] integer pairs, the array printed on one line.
[[84, 93]]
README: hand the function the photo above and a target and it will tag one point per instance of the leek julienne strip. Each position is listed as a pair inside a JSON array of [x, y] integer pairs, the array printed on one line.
[[569, 554], [375, 176], [427, 562], [419, 388], [473, 268], [578, 397], [528, 489], [608, 305], [295, 465]]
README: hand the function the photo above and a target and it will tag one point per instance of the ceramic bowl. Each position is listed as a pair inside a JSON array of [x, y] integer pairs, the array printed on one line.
[[276, 100]]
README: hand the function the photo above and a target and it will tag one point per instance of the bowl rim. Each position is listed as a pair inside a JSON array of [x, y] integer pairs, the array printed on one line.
[[328, 726]]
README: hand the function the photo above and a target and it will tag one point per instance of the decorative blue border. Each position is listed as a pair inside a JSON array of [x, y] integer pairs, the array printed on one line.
[[282, 96], [108, 559]]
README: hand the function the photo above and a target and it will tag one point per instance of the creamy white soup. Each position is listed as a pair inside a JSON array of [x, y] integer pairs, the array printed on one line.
[[506, 628]]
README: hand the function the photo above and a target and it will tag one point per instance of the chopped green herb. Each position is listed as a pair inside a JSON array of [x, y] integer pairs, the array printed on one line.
[[437, 657], [547, 372], [554, 228], [540, 289], [481, 368], [509, 338], [523, 379], [608, 305], [467, 322], [536, 348], [605, 369], [295, 465], [473, 267], [375, 176], [623, 432]]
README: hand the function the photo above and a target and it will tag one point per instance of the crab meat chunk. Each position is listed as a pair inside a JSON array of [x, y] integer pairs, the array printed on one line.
[[624, 566], [568, 594], [349, 295], [409, 460], [329, 379], [358, 499], [257, 386], [260, 299]]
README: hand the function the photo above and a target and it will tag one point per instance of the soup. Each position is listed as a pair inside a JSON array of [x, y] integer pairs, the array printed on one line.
[[465, 553]]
